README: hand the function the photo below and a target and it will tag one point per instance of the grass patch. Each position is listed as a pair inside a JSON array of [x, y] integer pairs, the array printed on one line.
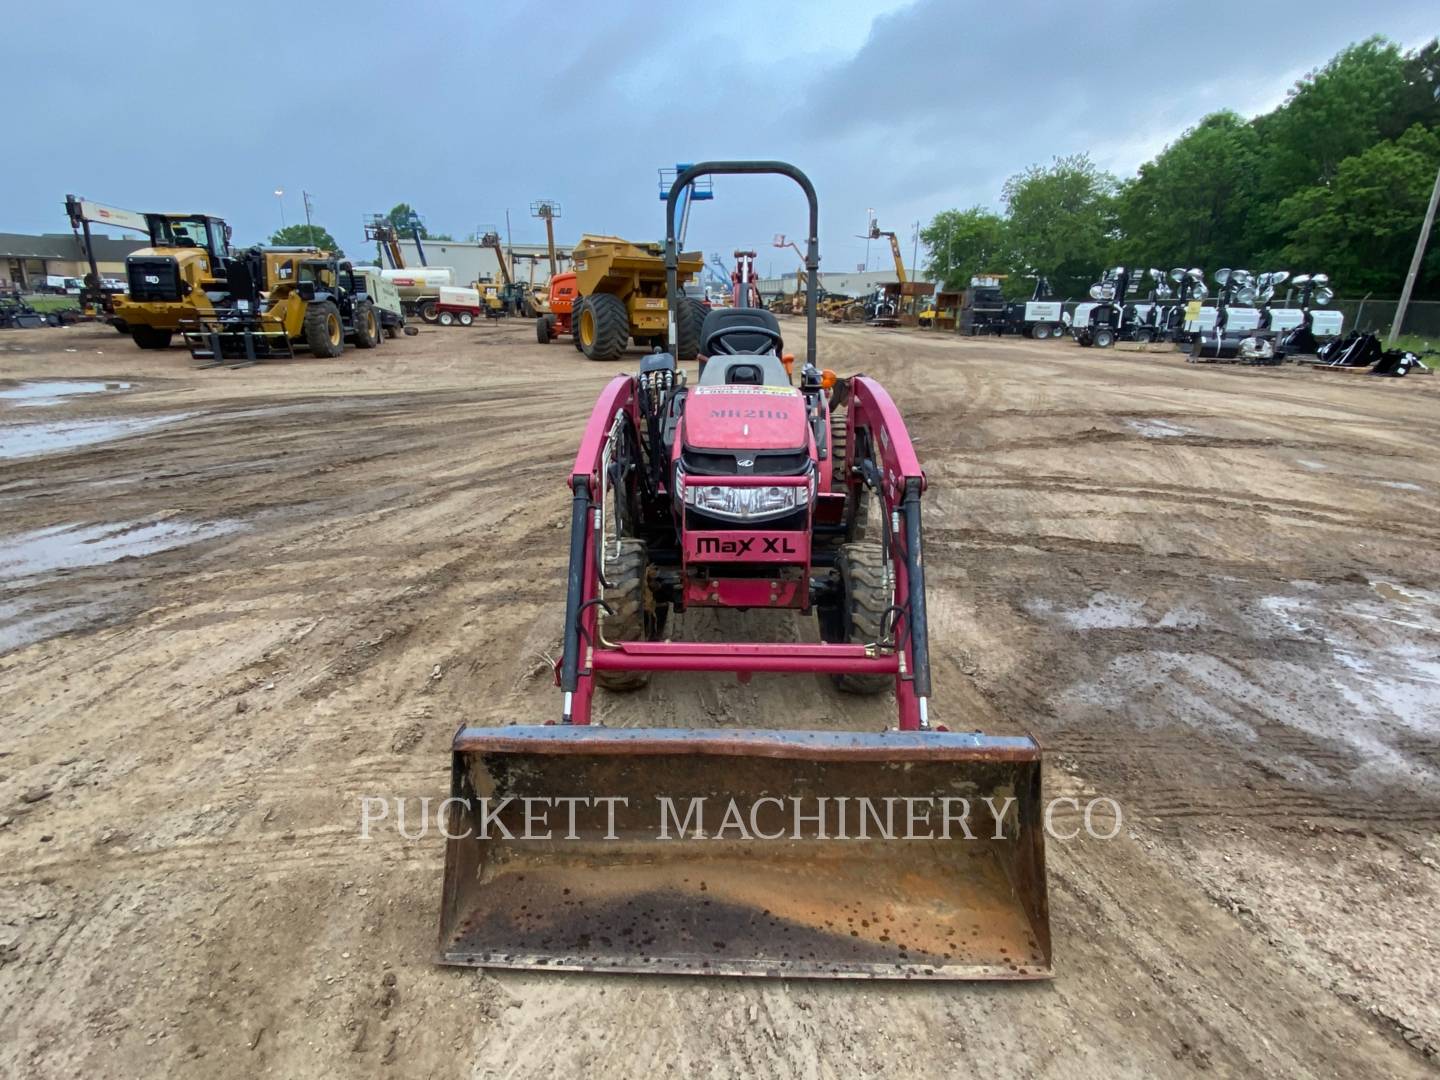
[[53, 303], [1416, 343]]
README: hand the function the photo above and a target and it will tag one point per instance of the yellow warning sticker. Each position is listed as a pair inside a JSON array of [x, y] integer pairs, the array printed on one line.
[[780, 391]]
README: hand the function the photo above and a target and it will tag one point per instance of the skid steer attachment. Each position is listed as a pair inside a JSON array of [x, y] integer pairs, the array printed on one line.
[[911, 853]]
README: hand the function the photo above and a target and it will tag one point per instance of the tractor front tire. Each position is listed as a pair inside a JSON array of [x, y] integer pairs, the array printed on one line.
[[687, 329], [859, 520], [324, 332], [635, 618], [604, 327], [367, 327], [865, 598], [147, 337]]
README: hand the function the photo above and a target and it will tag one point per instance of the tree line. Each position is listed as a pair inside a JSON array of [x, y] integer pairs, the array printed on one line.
[[1334, 179]]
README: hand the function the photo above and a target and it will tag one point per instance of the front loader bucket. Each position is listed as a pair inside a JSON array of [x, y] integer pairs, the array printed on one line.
[[768, 853]]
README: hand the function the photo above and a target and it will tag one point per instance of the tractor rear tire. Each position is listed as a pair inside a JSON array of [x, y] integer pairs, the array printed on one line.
[[687, 329], [147, 337], [635, 618], [367, 327], [324, 332], [608, 323], [542, 331], [860, 616]]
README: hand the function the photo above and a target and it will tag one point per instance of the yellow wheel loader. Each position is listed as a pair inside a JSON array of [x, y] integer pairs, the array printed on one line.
[[173, 283], [167, 282]]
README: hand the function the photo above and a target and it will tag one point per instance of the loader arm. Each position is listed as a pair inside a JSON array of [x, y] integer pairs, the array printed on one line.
[[889, 467]]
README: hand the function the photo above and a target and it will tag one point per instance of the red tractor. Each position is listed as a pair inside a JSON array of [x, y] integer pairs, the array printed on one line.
[[560, 318], [745, 490]]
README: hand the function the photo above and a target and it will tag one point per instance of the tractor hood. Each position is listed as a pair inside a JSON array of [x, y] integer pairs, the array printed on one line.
[[745, 418]]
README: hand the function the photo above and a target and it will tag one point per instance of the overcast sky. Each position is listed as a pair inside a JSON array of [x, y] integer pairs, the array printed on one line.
[[465, 109]]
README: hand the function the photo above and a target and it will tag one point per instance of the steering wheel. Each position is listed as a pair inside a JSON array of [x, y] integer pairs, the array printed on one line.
[[716, 340]]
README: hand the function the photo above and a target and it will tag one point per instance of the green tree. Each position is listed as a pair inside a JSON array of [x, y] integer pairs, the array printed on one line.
[[963, 243], [401, 216], [1061, 221], [1193, 203], [306, 236], [1420, 102], [1335, 113], [1361, 227]]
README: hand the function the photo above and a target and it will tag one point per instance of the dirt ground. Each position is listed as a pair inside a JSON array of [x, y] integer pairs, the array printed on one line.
[[232, 603]]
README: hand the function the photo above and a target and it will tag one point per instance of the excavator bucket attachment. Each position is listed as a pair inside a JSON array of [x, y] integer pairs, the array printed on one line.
[[907, 854]]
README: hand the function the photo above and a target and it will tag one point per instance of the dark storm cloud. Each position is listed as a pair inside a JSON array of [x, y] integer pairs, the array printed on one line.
[[467, 109], [952, 105]]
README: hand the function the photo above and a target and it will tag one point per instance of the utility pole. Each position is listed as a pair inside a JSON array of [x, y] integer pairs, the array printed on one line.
[[915, 255], [509, 247], [547, 210], [306, 196], [869, 228], [1420, 244]]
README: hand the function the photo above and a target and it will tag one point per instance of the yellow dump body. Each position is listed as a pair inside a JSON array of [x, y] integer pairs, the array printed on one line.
[[633, 272]]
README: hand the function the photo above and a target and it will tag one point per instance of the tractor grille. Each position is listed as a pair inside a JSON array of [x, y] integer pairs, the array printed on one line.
[[153, 279], [794, 522], [723, 463]]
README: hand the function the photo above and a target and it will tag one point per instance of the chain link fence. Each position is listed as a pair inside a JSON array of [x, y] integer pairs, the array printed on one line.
[[1422, 318]]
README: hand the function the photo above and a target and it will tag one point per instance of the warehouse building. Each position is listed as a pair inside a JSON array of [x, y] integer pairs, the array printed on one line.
[[29, 262], [840, 284], [475, 262]]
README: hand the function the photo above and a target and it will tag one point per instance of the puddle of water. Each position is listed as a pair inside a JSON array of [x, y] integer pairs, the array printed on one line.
[[33, 440], [1313, 466], [69, 547], [1402, 485], [54, 391], [1107, 611], [1393, 592], [1158, 429], [22, 623]]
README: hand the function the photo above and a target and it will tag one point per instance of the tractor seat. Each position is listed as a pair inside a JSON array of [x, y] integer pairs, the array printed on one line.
[[725, 332], [753, 369]]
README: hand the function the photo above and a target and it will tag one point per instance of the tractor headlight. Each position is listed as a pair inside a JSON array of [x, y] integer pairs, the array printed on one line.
[[748, 503]]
